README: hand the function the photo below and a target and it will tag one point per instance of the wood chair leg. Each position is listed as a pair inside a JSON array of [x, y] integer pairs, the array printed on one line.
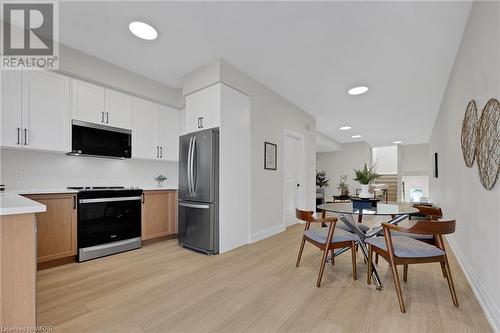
[[450, 282], [369, 273], [376, 258], [354, 268], [332, 254], [300, 251], [395, 275], [443, 269], [322, 267], [405, 273]]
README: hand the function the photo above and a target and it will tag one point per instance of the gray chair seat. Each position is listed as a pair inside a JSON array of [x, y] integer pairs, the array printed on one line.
[[345, 227], [407, 247], [404, 234], [339, 235]]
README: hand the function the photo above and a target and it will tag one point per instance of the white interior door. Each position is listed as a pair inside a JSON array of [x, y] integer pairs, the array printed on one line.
[[294, 169]]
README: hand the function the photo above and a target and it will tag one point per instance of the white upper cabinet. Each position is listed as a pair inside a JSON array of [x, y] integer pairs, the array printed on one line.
[[145, 129], [99, 105], [11, 113], [46, 116], [35, 110], [169, 133], [118, 108], [203, 109], [88, 102], [155, 131]]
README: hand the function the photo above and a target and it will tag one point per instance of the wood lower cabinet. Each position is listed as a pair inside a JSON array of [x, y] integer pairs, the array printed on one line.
[[159, 213], [57, 227]]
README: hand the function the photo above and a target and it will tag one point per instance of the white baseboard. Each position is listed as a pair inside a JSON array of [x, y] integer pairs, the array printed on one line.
[[268, 232], [490, 310]]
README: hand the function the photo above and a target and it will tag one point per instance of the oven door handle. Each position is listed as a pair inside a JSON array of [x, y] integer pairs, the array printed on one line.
[[84, 201]]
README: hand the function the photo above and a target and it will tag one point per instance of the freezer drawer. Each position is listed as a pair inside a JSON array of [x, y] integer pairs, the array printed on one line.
[[198, 226]]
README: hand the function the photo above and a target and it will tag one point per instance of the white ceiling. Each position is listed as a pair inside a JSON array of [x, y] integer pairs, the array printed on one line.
[[309, 52]]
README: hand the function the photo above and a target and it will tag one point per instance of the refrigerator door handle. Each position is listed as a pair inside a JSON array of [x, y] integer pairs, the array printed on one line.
[[193, 176], [189, 205], [189, 166]]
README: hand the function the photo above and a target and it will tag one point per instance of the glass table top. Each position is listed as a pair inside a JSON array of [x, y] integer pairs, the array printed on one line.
[[381, 209]]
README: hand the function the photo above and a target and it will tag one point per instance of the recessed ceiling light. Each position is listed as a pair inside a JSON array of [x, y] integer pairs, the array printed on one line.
[[345, 128], [357, 136], [143, 30], [397, 142], [357, 90]]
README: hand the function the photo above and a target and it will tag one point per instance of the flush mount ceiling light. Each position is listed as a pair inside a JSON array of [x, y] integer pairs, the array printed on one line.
[[397, 142], [345, 128], [357, 136], [143, 30], [357, 90]]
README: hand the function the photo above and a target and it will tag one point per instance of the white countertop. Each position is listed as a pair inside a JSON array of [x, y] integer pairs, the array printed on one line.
[[154, 188], [44, 191], [13, 203], [64, 190]]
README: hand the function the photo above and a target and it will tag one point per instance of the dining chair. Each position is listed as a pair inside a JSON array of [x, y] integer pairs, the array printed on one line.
[[429, 214], [403, 250], [326, 239]]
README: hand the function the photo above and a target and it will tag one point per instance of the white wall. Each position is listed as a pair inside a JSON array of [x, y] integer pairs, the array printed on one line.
[[270, 115], [475, 75], [414, 159], [385, 160], [41, 170], [352, 156], [325, 144]]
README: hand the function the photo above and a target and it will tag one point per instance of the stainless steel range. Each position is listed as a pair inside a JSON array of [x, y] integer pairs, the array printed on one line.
[[109, 220]]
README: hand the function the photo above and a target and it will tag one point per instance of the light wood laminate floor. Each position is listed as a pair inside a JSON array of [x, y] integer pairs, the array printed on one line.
[[255, 288]]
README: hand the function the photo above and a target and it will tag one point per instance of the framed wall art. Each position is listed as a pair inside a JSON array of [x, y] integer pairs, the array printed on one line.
[[270, 156]]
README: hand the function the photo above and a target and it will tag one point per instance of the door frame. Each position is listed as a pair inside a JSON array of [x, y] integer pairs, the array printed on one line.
[[302, 169]]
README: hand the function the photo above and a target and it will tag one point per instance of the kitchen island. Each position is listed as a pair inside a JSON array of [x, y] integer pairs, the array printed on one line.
[[18, 261]]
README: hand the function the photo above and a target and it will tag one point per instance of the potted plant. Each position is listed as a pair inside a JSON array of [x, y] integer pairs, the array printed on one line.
[[321, 180], [365, 177], [343, 186], [159, 180]]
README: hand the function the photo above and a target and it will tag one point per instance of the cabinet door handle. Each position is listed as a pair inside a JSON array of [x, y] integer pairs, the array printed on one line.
[[18, 136], [107, 117], [143, 198], [102, 117], [201, 122], [161, 152], [25, 137], [157, 151], [74, 202]]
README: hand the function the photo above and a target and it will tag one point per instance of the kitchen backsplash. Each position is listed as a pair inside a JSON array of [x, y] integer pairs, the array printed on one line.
[[22, 170]]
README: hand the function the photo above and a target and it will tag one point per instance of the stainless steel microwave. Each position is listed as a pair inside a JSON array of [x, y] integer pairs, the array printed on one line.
[[88, 139]]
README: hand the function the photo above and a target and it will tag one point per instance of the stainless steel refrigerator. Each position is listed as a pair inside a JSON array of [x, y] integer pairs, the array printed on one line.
[[198, 211]]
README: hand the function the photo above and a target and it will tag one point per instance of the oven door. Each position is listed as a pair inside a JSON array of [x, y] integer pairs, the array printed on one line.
[[106, 220]]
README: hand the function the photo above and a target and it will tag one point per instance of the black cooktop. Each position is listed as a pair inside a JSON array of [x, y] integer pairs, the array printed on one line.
[[99, 188]]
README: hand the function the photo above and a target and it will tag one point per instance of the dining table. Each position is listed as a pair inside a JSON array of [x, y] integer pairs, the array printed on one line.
[[395, 212]]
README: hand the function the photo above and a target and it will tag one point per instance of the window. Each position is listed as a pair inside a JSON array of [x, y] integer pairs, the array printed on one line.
[[416, 188]]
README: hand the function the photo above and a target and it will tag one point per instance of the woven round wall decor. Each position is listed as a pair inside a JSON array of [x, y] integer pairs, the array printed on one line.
[[488, 144], [469, 133]]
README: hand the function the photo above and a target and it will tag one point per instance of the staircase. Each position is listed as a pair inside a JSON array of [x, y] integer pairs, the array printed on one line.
[[392, 186]]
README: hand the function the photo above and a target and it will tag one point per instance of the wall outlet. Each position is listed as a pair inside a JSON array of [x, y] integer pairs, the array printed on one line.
[[19, 174]]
